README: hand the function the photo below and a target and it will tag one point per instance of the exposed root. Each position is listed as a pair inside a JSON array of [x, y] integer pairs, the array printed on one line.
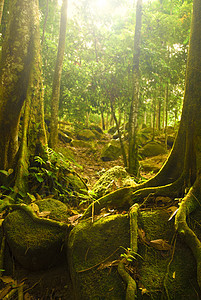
[[35, 218], [127, 196], [117, 199], [189, 203], [170, 190], [131, 284]]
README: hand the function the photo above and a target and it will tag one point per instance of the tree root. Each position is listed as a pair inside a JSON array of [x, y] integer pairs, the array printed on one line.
[[37, 219], [118, 199], [127, 196], [189, 203], [131, 284]]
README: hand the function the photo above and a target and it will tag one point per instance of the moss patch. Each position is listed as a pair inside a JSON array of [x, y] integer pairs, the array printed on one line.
[[35, 246], [90, 244], [114, 178]]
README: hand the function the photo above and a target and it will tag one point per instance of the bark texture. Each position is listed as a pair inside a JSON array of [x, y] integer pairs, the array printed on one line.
[[133, 164], [57, 77]]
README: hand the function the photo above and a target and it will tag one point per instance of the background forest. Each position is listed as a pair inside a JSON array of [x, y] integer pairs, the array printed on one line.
[[92, 95]]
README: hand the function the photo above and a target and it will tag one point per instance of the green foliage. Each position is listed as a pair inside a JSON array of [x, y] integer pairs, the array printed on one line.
[[130, 255], [53, 176]]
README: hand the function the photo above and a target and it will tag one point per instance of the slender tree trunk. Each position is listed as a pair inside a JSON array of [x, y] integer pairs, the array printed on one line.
[[119, 134], [57, 77], [1, 9], [166, 113], [133, 164]]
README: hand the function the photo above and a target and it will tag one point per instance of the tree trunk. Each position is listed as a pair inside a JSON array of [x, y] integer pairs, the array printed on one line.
[[133, 164], [22, 61], [57, 77], [1, 9], [17, 59]]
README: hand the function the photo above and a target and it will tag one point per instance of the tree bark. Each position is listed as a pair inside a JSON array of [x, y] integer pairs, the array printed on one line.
[[1, 9], [57, 77], [17, 58], [133, 164]]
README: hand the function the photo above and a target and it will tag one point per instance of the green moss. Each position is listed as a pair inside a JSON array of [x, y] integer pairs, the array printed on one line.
[[111, 151], [86, 135], [152, 149], [35, 246], [58, 210], [90, 244], [115, 176]]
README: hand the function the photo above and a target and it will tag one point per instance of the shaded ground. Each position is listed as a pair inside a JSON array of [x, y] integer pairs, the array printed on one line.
[[55, 283]]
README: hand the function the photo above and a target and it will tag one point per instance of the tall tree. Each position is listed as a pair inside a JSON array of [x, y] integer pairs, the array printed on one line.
[[133, 164], [57, 77], [21, 91]]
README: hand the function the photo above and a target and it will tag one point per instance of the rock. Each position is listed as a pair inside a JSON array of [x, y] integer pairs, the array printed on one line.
[[152, 149], [82, 144], [89, 245], [92, 247], [111, 180], [111, 151], [170, 140], [96, 127], [36, 246], [64, 137], [86, 135]]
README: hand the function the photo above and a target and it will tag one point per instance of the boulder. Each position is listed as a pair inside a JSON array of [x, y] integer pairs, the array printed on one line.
[[36, 245], [152, 149], [81, 144], [112, 179], [64, 137], [96, 127], [86, 135], [170, 140], [94, 247], [111, 151]]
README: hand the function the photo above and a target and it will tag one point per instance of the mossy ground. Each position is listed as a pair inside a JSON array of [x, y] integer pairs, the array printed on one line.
[[160, 274]]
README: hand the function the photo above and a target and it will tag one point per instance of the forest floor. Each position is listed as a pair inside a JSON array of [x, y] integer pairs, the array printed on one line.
[[55, 283]]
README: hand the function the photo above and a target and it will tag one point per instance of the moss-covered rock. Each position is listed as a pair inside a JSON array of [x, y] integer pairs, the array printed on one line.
[[152, 149], [89, 245], [114, 178], [82, 144], [96, 127], [34, 245], [111, 151], [159, 274], [86, 135], [64, 137], [58, 210]]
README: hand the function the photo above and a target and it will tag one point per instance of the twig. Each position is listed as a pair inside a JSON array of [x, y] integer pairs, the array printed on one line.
[[96, 265]]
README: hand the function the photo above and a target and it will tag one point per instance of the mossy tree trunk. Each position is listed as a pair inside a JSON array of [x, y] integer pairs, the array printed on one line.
[[57, 77], [133, 164], [21, 89]]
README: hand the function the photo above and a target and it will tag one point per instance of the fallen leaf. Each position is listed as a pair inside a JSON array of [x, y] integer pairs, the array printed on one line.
[[7, 279], [173, 275], [43, 214], [173, 214], [160, 244], [1, 222], [73, 219], [34, 207]]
